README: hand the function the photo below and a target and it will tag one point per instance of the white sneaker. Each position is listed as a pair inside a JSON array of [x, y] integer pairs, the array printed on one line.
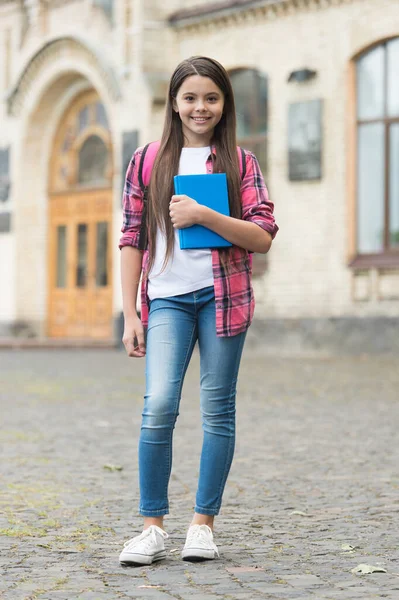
[[145, 548], [199, 544]]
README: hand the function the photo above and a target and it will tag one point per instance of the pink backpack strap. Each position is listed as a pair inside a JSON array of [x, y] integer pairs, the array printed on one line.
[[242, 161], [147, 160]]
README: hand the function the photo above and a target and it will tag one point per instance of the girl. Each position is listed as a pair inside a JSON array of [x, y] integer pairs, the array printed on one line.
[[190, 296]]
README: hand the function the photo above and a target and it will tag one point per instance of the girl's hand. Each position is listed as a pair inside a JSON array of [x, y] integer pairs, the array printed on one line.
[[133, 337], [184, 211]]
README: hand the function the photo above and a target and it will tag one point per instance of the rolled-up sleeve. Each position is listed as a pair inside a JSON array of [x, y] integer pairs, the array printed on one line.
[[256, 206], [132, 204]]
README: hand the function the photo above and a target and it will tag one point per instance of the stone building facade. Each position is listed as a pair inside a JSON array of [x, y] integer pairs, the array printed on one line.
[[83, 84]]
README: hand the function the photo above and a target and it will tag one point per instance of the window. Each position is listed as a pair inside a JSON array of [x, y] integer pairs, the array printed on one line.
[[61, 256], [377, 109], [250, 94], [93, 160], [82, 260], [83, 119], [101, 116], [102, 255], [4, 174], [82, 157]]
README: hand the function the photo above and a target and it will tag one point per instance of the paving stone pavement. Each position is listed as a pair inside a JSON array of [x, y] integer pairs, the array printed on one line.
[[313, 491]]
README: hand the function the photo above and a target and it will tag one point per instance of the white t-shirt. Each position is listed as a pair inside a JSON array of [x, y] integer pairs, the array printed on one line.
[[186, 270]]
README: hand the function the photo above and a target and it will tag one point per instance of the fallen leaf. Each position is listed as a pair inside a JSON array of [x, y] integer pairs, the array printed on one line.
[[349, 548], [300, 513], [174, 550], [113, 467], [368, 569]]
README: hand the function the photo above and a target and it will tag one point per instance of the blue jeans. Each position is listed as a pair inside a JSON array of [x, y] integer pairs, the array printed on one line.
[[175, 324]]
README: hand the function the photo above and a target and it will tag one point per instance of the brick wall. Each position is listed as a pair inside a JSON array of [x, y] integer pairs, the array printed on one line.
[[308, 273]]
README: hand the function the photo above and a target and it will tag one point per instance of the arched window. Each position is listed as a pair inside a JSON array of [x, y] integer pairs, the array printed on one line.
[[377, 108], [83, 157], [93, 160], [250, 94]]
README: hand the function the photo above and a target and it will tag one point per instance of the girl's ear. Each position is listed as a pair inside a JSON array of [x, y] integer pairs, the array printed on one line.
[[175, 107]]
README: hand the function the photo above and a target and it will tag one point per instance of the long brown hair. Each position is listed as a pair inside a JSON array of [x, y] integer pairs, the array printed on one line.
[[166, 164]]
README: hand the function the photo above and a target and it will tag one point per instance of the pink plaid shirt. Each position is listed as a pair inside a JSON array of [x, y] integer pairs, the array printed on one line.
[[234, 297]]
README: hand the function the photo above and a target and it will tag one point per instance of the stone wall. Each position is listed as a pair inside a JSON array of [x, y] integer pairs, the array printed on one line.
[[308, 271]]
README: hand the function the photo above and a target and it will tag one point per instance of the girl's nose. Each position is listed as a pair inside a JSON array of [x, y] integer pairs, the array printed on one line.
[[200, 105]]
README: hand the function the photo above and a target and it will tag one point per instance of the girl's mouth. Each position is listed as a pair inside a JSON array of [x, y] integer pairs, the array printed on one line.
[[201, 119]]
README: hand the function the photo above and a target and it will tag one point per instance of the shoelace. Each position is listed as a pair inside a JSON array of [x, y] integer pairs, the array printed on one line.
[[147, 537], [201, 534]]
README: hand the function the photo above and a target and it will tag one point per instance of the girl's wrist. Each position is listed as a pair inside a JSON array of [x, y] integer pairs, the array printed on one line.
[[203, 214], [130, 314]]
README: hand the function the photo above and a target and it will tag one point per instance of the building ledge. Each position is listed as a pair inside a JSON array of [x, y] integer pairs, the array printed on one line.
[[222, 9], [189, 15], [375, 261]]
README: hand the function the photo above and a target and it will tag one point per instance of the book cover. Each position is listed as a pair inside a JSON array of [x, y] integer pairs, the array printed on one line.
[[209, 190]]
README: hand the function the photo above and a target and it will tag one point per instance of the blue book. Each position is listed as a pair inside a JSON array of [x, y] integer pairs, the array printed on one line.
[[209, 190]]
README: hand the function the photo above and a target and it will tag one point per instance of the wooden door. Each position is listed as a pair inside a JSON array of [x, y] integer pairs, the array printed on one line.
[[80, 220]]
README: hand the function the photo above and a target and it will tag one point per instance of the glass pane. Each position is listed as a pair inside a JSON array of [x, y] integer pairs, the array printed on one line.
[[242, 82], [61, 256], [370, 84], [394, 187], [260, 151], [250, 94], [101, 255], [107, 6], [259, 148], [83, 119], [262, 107], [371, 188], [393, 78], [81, 266], [93, 158], [101, 117]]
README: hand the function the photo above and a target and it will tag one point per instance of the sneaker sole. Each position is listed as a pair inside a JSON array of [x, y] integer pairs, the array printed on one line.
[[198, 555], [142, 559]]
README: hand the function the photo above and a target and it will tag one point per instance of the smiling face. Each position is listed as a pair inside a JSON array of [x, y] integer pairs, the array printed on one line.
[[199, 103]]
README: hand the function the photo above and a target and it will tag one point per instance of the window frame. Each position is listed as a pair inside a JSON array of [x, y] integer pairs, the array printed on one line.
[[69, 157], [260, 262], [254, 138], [388, 257]]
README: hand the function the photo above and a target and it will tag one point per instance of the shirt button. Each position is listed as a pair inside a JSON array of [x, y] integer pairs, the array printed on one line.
[[218, 306]]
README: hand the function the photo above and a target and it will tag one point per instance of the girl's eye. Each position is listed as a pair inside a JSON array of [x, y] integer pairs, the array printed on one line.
[[212, 99], [189, 98]]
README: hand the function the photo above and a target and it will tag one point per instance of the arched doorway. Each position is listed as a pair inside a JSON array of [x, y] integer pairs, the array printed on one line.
[[80, 223]]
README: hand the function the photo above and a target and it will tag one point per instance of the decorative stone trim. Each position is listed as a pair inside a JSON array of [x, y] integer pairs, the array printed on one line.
[[60, 48], [239, 11]]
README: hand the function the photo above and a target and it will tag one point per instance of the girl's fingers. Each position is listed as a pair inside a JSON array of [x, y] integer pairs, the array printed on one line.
[[135, 347], [140, 341], [136, 353]]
